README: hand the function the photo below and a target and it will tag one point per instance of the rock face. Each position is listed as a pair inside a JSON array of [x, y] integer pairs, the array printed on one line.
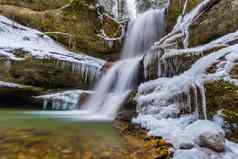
[[42, 73], [218, 21], [77, 23]]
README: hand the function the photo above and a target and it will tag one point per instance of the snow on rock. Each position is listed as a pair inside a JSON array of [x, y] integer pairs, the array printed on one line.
[[185, 21], [11, 85], [36, 44], [165, 89], [190, 154], [169, 107], [207, 134], [218, 43], [66, 100]]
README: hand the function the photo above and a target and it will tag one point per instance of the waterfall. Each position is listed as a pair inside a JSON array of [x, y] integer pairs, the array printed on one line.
[[115, 85]]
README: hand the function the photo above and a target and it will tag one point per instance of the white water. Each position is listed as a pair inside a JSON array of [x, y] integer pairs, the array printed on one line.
[[115, 85]]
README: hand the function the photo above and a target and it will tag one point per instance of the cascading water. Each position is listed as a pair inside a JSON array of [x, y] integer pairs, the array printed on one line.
[[114, 87]]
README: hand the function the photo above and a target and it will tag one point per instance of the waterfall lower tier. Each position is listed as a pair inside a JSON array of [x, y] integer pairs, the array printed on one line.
[[113, 89]]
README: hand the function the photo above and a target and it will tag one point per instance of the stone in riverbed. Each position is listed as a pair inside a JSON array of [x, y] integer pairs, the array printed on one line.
[[207, 134], [212, 141]]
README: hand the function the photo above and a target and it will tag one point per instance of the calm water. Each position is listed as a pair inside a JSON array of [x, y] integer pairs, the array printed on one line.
[[49, 135]]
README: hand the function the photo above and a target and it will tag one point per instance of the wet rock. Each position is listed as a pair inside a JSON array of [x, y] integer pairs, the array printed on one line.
[[185, 145], [126, 115]]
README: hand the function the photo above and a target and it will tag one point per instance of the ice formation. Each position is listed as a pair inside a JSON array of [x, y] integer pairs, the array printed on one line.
[[171, 105], [66, 100], [33, 43], [168, 107], [11, 85]]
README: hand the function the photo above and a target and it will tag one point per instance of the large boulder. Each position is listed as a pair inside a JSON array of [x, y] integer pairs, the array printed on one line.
[[207, 134]]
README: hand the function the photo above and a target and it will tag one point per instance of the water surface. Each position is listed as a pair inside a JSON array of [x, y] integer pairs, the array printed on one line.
[[48, 135]]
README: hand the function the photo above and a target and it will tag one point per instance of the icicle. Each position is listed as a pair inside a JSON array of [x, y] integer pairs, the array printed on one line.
[[203, 96], [45, 104], [189, 104], [195, 99], [53, 104]]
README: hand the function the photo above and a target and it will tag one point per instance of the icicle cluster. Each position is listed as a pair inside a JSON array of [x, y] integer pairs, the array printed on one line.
[[173, 100], [32, 43], [67, 100]]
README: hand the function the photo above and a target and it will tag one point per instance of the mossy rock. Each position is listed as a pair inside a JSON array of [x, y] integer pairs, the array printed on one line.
[[42, 73], [79, 20], [221, 95], [220, 20]]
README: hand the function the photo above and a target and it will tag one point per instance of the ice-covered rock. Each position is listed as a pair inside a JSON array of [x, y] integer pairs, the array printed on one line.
[[37, 45], [207, 134], [66, 100]]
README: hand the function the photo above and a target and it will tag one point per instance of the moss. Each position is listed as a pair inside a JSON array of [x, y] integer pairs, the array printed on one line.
[[218, 21], [231, 116], [221, 95]]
